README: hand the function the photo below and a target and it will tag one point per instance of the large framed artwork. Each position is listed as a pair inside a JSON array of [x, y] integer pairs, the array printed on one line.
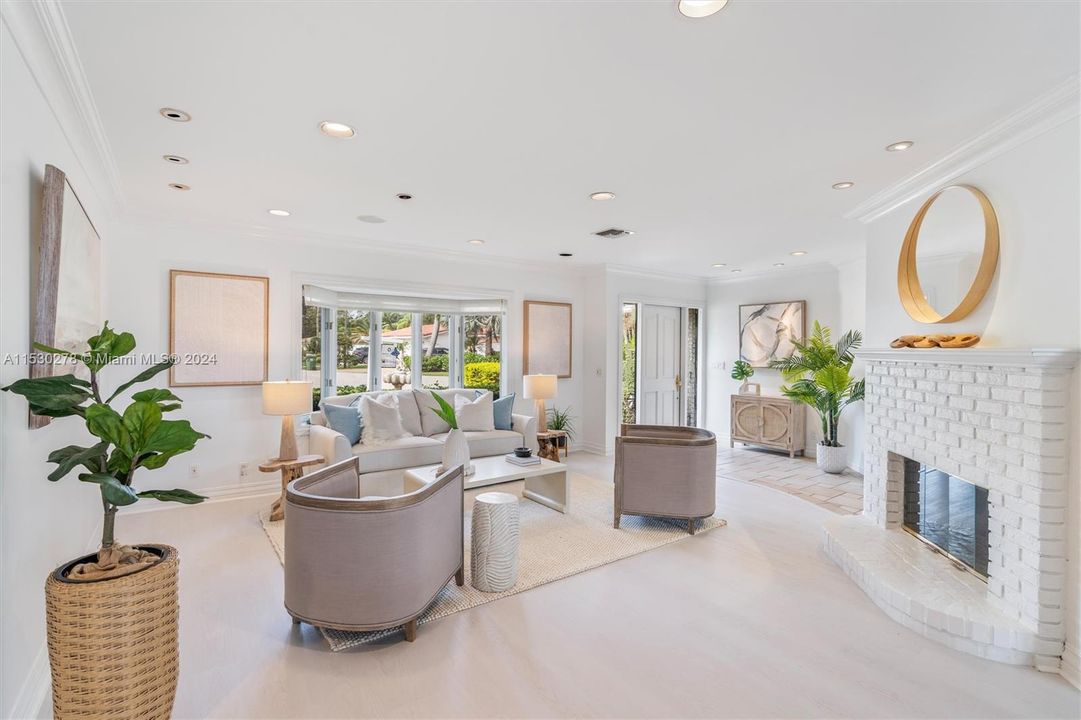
[[547, 338], [67, 308], [769, 331], [218, 328]]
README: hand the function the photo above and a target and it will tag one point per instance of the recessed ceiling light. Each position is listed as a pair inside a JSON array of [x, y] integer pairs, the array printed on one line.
[[279, 213], [700, 8], [604, 195], [374, 219], [798, 253], [175, 115], [175, 159], [843, 185], [720, 265], [336, 129], [778, 264], [179, 186], [566, 254], [899, 146], [404, 196], [476, 242], [736, 271]]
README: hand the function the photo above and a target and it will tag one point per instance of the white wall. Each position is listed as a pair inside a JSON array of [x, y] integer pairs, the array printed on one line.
[[1035, 300], [42, 524], [819, 285], [143, 254], [852, 284]]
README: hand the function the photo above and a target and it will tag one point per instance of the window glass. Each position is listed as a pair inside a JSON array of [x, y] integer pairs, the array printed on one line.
[[690, 384], [397, 341], [629, 359], [482, 368], [352, 361], [434, 351], [311, 350]]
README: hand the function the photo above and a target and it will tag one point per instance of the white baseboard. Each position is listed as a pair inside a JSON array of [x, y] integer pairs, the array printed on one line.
[[1071, 665], [241, 491], [592, 448]]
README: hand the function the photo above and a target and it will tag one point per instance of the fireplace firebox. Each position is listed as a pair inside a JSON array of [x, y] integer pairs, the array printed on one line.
[[947, 513]]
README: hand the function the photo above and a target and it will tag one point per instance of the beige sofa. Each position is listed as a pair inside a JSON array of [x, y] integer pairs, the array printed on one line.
[[424, 445]]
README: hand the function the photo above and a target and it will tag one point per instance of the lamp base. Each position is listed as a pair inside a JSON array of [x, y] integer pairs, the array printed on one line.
[[287, 449], [542, 416]]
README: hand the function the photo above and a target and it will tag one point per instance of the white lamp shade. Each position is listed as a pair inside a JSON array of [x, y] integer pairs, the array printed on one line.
[[287, 397], [539, 387]]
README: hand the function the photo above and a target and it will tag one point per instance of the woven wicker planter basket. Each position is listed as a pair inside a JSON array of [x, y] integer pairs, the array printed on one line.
[[113, 643]]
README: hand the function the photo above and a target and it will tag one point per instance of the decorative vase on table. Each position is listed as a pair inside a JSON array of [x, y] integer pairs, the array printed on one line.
[[456, 451], [112, 616]]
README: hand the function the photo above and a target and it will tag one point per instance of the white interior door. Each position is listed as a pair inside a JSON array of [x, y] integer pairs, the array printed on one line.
[[661, 367]]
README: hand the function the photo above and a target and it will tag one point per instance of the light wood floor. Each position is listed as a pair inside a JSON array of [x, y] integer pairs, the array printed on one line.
[[842, 494], [751, 620]]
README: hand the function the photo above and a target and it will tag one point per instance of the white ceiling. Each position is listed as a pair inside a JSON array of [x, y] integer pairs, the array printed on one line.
[[720, 136]]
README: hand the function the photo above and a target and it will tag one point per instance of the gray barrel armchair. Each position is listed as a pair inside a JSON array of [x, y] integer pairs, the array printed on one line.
[[664, 471], [359, 563]]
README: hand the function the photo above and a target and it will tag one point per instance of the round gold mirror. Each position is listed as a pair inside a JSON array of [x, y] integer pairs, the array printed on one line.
[[949, 255]]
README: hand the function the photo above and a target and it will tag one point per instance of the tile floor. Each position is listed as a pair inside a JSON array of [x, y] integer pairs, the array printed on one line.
[[842, 494]]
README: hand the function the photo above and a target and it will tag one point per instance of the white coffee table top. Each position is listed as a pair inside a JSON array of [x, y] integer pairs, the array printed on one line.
[[489, 471]]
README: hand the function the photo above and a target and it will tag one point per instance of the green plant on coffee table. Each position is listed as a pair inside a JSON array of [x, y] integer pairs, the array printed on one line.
[[561, 420], [445, 411], [820, 374], [742, 370], [138, 437]]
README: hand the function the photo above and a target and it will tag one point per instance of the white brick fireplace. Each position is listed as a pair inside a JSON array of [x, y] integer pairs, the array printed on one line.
[[994, 418]]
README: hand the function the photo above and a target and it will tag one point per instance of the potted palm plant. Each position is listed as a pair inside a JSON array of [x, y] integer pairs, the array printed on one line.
[[112, 616], [820, 375]]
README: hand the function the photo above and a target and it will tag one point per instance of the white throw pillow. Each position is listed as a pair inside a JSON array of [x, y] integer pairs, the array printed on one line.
[[474, 415], [382, 419]]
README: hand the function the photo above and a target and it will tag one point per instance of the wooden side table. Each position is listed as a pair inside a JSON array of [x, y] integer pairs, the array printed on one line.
[[290, 470], [549, 444]]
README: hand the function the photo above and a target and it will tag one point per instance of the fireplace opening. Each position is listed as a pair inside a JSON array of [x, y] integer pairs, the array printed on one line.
[[948, 513]]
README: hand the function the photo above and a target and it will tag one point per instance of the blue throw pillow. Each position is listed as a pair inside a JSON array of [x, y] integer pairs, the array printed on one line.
[[502, 409], [344, 419]]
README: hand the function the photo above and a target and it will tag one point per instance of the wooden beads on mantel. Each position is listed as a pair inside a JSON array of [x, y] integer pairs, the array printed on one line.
[[963, 340]]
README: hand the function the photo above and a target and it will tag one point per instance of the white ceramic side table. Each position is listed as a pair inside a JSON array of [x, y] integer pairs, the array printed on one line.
[[494, 554]]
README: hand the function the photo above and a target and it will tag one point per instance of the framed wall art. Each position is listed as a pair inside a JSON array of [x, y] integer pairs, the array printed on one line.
[[769, 331], [547, 338], [218, 328], [68, 303]]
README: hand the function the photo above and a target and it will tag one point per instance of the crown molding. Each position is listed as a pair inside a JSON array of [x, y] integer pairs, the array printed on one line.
[[1046, 112], [43, 38]]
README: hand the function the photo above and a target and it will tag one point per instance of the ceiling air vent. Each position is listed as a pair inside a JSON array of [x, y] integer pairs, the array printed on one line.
[[613, 233]]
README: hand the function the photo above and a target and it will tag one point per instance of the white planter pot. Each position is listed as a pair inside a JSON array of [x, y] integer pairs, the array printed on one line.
[[831, 459], [456, 452]]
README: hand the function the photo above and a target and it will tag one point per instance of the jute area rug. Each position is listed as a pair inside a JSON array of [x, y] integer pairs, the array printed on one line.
[[552, 546]]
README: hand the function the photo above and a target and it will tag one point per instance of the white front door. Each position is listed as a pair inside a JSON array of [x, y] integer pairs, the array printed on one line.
[[659, 358]]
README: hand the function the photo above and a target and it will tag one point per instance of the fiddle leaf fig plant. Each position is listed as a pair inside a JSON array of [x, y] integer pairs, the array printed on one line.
[[820, 375], [137, 437]]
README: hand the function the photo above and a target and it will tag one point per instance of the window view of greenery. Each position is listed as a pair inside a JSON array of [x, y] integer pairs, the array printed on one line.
[[481, 336], [482, 347], [434, 352], [629, 360], [691, 385]]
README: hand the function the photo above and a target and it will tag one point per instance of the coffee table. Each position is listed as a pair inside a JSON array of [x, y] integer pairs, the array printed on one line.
[[545, 483]]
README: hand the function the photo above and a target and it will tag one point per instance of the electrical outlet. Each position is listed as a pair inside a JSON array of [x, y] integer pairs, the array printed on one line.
[[245, 469], [193, 471]]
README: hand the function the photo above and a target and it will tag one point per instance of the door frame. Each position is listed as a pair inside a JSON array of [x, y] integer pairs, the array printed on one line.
[[683, 306]]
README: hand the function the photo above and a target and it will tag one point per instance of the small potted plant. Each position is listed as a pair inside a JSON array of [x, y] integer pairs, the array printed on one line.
[[561, 420], [112, 617], [742, 370], [455, 447], [820, 374]]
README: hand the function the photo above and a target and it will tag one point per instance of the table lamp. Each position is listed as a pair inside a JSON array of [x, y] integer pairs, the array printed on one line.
[[287, 398], [539, 388]]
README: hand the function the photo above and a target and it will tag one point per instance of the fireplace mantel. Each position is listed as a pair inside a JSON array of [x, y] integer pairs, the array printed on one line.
[[999, 357]]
